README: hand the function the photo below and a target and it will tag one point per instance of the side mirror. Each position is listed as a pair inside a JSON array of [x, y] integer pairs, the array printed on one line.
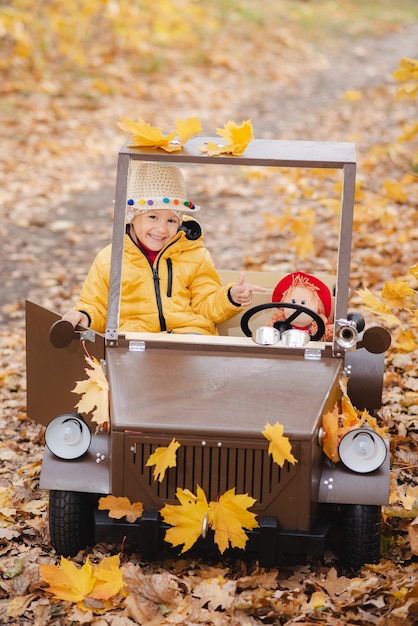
[[61, 334], [376, 340]]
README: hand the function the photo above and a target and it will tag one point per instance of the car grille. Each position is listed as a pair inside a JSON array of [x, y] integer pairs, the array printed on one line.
[[214, 465]]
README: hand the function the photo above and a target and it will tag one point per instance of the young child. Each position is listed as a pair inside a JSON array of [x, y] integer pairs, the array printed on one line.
[[169, 281], [310, 292]]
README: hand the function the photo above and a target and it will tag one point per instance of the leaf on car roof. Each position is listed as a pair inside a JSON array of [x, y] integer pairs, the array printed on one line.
[[145, 135], [237, 138]]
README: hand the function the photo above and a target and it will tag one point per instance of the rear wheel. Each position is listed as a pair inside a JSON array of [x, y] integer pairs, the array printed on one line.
[[71, 521], [361, 528]]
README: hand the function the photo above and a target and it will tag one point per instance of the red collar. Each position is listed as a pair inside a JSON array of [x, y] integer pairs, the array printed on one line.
[[150, 254]]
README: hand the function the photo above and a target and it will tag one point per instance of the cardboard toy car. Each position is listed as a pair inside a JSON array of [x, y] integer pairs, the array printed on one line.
[[214, 395]]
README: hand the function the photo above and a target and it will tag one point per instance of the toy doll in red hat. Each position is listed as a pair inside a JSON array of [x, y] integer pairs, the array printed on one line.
[[310, 292]]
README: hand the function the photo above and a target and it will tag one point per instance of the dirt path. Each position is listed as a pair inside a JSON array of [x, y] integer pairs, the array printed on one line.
[[356, 65], [48, 261]]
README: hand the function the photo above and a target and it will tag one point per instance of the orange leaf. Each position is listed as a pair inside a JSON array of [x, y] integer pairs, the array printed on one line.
[[330, 440], [121, 507]]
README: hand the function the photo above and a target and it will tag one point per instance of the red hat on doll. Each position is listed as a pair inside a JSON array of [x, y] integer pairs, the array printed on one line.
[[300, 278]]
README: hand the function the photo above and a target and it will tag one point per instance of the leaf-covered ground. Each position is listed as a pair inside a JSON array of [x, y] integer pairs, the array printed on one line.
[[58, 157]]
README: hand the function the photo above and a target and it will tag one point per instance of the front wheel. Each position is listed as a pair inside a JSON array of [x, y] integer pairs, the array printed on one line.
[[360, 530], [71, 521]]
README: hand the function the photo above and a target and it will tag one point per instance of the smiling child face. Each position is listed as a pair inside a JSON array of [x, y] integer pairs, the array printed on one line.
[[154, 229]]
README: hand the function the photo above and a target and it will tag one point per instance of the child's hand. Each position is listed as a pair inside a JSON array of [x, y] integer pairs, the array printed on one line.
[[242, 292], [76, 317]]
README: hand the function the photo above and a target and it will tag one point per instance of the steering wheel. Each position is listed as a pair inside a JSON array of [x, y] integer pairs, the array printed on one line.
[[283, 324]]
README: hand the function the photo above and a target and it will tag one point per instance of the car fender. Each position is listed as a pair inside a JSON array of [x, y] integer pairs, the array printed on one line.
[[339, 485], [89, 473]]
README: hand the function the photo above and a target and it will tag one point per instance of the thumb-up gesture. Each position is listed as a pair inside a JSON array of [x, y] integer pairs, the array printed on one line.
[[242, 292]]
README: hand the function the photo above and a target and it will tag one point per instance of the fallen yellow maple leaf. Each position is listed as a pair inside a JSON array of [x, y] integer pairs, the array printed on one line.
[[68, 582], [395, 191], [237, 138], [229, 518], [414, 271], [163, 458], [301, 225], [407, 342], [352, 95], [409, 131], [87, 584], [121, 507], [280, 446], [398, 294], [109, 578], [145, 135], [187, 519], [414, 319], [94, 392], [318, 601], [408, 69]]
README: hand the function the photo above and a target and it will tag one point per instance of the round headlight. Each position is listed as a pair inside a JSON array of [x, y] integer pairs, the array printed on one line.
[[362, 450], [68, 436]]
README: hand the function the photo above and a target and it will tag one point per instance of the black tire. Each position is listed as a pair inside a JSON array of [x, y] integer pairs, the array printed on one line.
[[360, 536], [71, 521]]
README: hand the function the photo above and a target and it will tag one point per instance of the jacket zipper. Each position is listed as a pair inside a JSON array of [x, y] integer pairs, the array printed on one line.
[[156, 278], [161, 317]]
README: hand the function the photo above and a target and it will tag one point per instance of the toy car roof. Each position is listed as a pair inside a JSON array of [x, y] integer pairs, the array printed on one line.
[[260, 152]]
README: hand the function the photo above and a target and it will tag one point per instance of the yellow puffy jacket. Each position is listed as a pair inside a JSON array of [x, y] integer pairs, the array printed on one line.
[[180, 293]]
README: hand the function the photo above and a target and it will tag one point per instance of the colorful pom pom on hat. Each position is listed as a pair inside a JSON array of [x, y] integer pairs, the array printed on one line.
[[300, 279], [153, 186]]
